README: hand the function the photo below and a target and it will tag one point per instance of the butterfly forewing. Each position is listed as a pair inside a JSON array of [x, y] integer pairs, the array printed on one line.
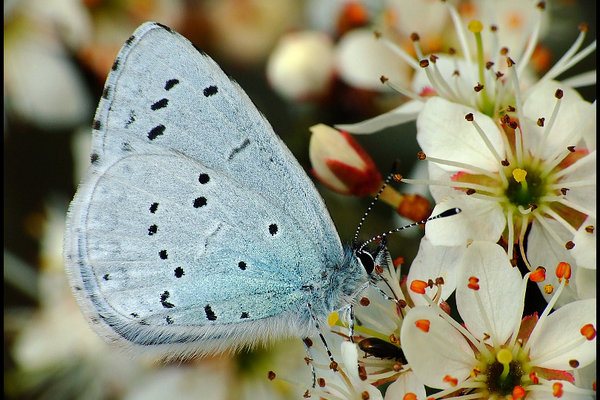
[[194, 225]]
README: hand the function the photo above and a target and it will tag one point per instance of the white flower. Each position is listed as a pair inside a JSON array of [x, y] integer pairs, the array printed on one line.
[[511, 175], [495, 354], [302, 65], [478, 77]]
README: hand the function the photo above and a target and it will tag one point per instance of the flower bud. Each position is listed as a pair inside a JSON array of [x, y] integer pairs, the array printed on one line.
[[301, 65], [341, 163]]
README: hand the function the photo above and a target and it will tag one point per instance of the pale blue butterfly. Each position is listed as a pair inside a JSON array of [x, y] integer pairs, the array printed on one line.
[[195, 230]]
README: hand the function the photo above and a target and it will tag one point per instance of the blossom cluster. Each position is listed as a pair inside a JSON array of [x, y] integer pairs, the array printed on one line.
[[515, 150]]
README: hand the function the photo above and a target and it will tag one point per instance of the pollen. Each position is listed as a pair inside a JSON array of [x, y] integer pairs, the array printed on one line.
[[588, 331], [410, 396], [423, 324], [518, 392], [534, 378], [563, 270], [475, 26], [519, 174], [539, 275], [557, 389], [333, 318], [418, 286], [451, 380], [548, 289], [473, 283]]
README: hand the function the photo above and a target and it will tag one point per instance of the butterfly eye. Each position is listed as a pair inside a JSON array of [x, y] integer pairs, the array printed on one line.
[[366, 260]]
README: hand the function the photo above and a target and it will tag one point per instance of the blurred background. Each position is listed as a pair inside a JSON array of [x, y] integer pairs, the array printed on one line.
[[293, 58]]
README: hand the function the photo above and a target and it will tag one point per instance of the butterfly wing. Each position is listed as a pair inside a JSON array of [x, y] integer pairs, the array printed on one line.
[[195, 229]]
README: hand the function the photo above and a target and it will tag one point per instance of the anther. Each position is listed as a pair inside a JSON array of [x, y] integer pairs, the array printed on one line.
[[564, 191], [383, 79], [377, 34], [588, 331], [539, 275], [569, 245], [493, 28], [414, 37], [271, 375], [433, 58], [540, 121], [333, 366], [451, 380], [478, 87], [473, 283], [541, 5], [499, 75], [469, 117], [557, 389], [471, 191], [571, 149], [558, 94], [364, 302], [510, 62], [424, 63], [589, 229], [421, 156], [504, 51], [548, 289], [563, 270], [489, 65], [583, 27], [418, 286], [423, 325]]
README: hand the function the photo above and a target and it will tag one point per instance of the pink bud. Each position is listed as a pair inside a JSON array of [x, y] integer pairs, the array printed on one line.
[[341, 163]]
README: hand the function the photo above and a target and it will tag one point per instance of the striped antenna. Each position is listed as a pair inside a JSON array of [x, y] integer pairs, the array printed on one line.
[[447, 213], [362, 220]]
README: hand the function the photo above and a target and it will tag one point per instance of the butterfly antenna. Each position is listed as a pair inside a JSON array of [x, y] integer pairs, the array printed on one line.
[[447, 213], [390, 176]]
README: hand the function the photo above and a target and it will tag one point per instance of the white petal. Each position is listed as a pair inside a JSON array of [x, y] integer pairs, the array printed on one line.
[[586, 283], [361, 60], [540, 102], [543, 250], [441, 351], [584, 251], [432, 262], [443, 132], [404, 113], [501, 291], [350, 359], [551, 341], [583, 169], [407, 382], [479, 220]]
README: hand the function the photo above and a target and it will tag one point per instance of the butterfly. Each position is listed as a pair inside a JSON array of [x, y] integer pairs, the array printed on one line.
[[194, 229]]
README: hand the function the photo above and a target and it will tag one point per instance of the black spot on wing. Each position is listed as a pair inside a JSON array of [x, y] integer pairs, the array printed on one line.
[[115, 65], [96, 125], [179, 272], [153, 207], [163, 254], [163, 300], [210, 90], [94, 158], [245, 315], [106, 277], [134, 315], [203, 178], [106, 92], [130, 40], [166, 28], [131, 119], [199, 202], [159, 104], [156, 132], [236, 150], [169, 320], [210, 315], [170, 83], [242, 265], [152, 229], [273, 229]]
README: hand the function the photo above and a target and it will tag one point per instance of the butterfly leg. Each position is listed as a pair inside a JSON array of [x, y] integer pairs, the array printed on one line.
[[309, 360], [333, 363]]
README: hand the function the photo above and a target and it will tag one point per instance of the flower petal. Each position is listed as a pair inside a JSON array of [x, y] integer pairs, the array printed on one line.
[[407, 382], [443, 132], [584, 251], [479, 220], [435, 354], [553, 337], [501, 292], [432, 262], [399, 115]]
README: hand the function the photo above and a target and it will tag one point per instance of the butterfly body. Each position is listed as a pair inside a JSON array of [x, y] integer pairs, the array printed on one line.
[[195, 230]]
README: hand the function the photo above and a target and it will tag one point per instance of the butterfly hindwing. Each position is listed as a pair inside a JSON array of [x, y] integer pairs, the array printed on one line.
[[194, 226]]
